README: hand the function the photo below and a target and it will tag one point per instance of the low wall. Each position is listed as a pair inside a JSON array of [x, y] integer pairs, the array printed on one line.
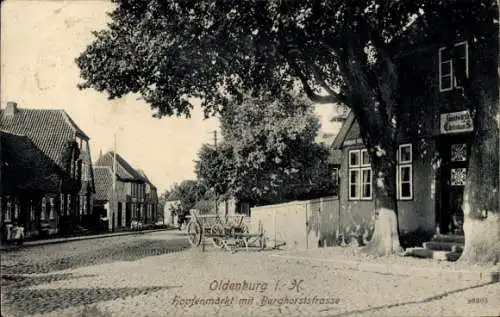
[[300, 224]]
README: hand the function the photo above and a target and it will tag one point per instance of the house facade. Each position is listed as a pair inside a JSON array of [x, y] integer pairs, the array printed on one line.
[[135, 198], [150, 210], [434, 139], [47, 179]]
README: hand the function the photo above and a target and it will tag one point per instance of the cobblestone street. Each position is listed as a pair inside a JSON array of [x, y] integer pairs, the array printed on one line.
[[27, 267], [141, 276]]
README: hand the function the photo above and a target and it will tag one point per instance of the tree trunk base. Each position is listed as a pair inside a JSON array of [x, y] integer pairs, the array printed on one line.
[[385, 239], [482, 240]]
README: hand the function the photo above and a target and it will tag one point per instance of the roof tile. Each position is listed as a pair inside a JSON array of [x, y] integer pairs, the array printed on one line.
[[103, 182], [51, 131]]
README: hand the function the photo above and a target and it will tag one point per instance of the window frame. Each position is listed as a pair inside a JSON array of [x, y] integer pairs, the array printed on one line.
[[43, 211], [400, 166], [453, 82], [362, 184], [8, 211], [69, 210], [359, 158], [52, 207], [356, 191], [359, 168]]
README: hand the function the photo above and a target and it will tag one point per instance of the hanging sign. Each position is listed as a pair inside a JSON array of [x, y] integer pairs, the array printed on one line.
[[456, 122]]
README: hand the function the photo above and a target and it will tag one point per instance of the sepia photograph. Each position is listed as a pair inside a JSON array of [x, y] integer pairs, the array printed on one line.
[[246, 158]]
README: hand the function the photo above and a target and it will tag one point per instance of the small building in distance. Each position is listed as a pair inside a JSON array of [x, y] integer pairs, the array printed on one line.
[[135, 197]]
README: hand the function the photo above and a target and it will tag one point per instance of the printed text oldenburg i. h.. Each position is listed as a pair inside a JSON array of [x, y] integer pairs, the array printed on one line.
[[227, 285]]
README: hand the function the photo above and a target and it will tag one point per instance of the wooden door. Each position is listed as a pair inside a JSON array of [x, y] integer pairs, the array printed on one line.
[[454, 154]]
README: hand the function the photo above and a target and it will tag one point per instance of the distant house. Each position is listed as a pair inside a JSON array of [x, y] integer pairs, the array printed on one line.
[[150, 200], [47, 179], [136, 196], [169, 215]]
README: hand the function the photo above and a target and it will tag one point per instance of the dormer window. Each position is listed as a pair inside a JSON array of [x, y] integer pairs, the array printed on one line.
[[453, 66]]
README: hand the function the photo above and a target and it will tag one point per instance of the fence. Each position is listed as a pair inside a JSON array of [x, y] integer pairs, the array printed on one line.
[[300, 224]]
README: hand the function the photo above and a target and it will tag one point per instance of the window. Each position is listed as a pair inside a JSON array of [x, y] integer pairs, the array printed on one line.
[[453, 66], [61, 205], [354, 158], [51, 209], [68, 205], [85, 205], [32, 211], [360, 175], [43, 213], [81, 201], [16, 210], [404, 172], [85, 171], [366, 183], [8, 211]]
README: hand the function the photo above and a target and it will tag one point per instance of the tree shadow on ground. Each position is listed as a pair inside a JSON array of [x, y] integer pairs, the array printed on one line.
[[129, 252], [28, 301], [20, 281], [420, 301]]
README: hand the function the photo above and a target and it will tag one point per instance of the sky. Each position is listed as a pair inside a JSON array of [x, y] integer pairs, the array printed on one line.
[[39, 43]]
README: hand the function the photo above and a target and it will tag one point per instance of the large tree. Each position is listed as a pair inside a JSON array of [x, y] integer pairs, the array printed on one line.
[[340, 51], [482, 192], [269, 153]]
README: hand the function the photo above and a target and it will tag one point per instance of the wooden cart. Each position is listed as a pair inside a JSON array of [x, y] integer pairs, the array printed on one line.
[[225, 232]]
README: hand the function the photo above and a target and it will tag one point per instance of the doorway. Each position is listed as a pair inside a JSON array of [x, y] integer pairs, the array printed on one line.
[[454, 154], [120, 215], [128, 214]]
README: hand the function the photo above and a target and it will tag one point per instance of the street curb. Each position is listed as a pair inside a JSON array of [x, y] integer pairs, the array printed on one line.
[[489, 276], [72, 239]]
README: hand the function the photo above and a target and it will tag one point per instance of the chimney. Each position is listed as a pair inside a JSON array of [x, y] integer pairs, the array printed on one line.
[[11, 109]]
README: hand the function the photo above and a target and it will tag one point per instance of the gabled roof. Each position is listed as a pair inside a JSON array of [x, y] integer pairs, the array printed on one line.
[[25, 167], [339, 139], [103, 176], [51, 131], [145, 177], [124, 170]]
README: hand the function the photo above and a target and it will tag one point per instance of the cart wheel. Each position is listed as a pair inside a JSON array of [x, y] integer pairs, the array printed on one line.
[[194, 233], [243, 228], [217, 230], [242, 243]]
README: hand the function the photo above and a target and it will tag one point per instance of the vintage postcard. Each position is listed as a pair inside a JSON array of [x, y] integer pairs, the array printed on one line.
[[249, 158]]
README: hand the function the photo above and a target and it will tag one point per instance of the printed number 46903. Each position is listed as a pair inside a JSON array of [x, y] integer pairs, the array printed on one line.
[[477, 300]]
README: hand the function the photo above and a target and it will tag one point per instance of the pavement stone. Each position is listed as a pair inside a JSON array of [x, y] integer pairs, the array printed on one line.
[[7, 247], [147, 284], [399, 265]]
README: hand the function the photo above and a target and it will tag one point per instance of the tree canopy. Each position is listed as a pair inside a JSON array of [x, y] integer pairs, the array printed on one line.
[[268, 153], [170, 52], [188, 192]]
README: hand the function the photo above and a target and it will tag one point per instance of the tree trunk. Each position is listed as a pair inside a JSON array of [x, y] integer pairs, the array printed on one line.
[[385, 239], [482, 198], [373, 101]]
